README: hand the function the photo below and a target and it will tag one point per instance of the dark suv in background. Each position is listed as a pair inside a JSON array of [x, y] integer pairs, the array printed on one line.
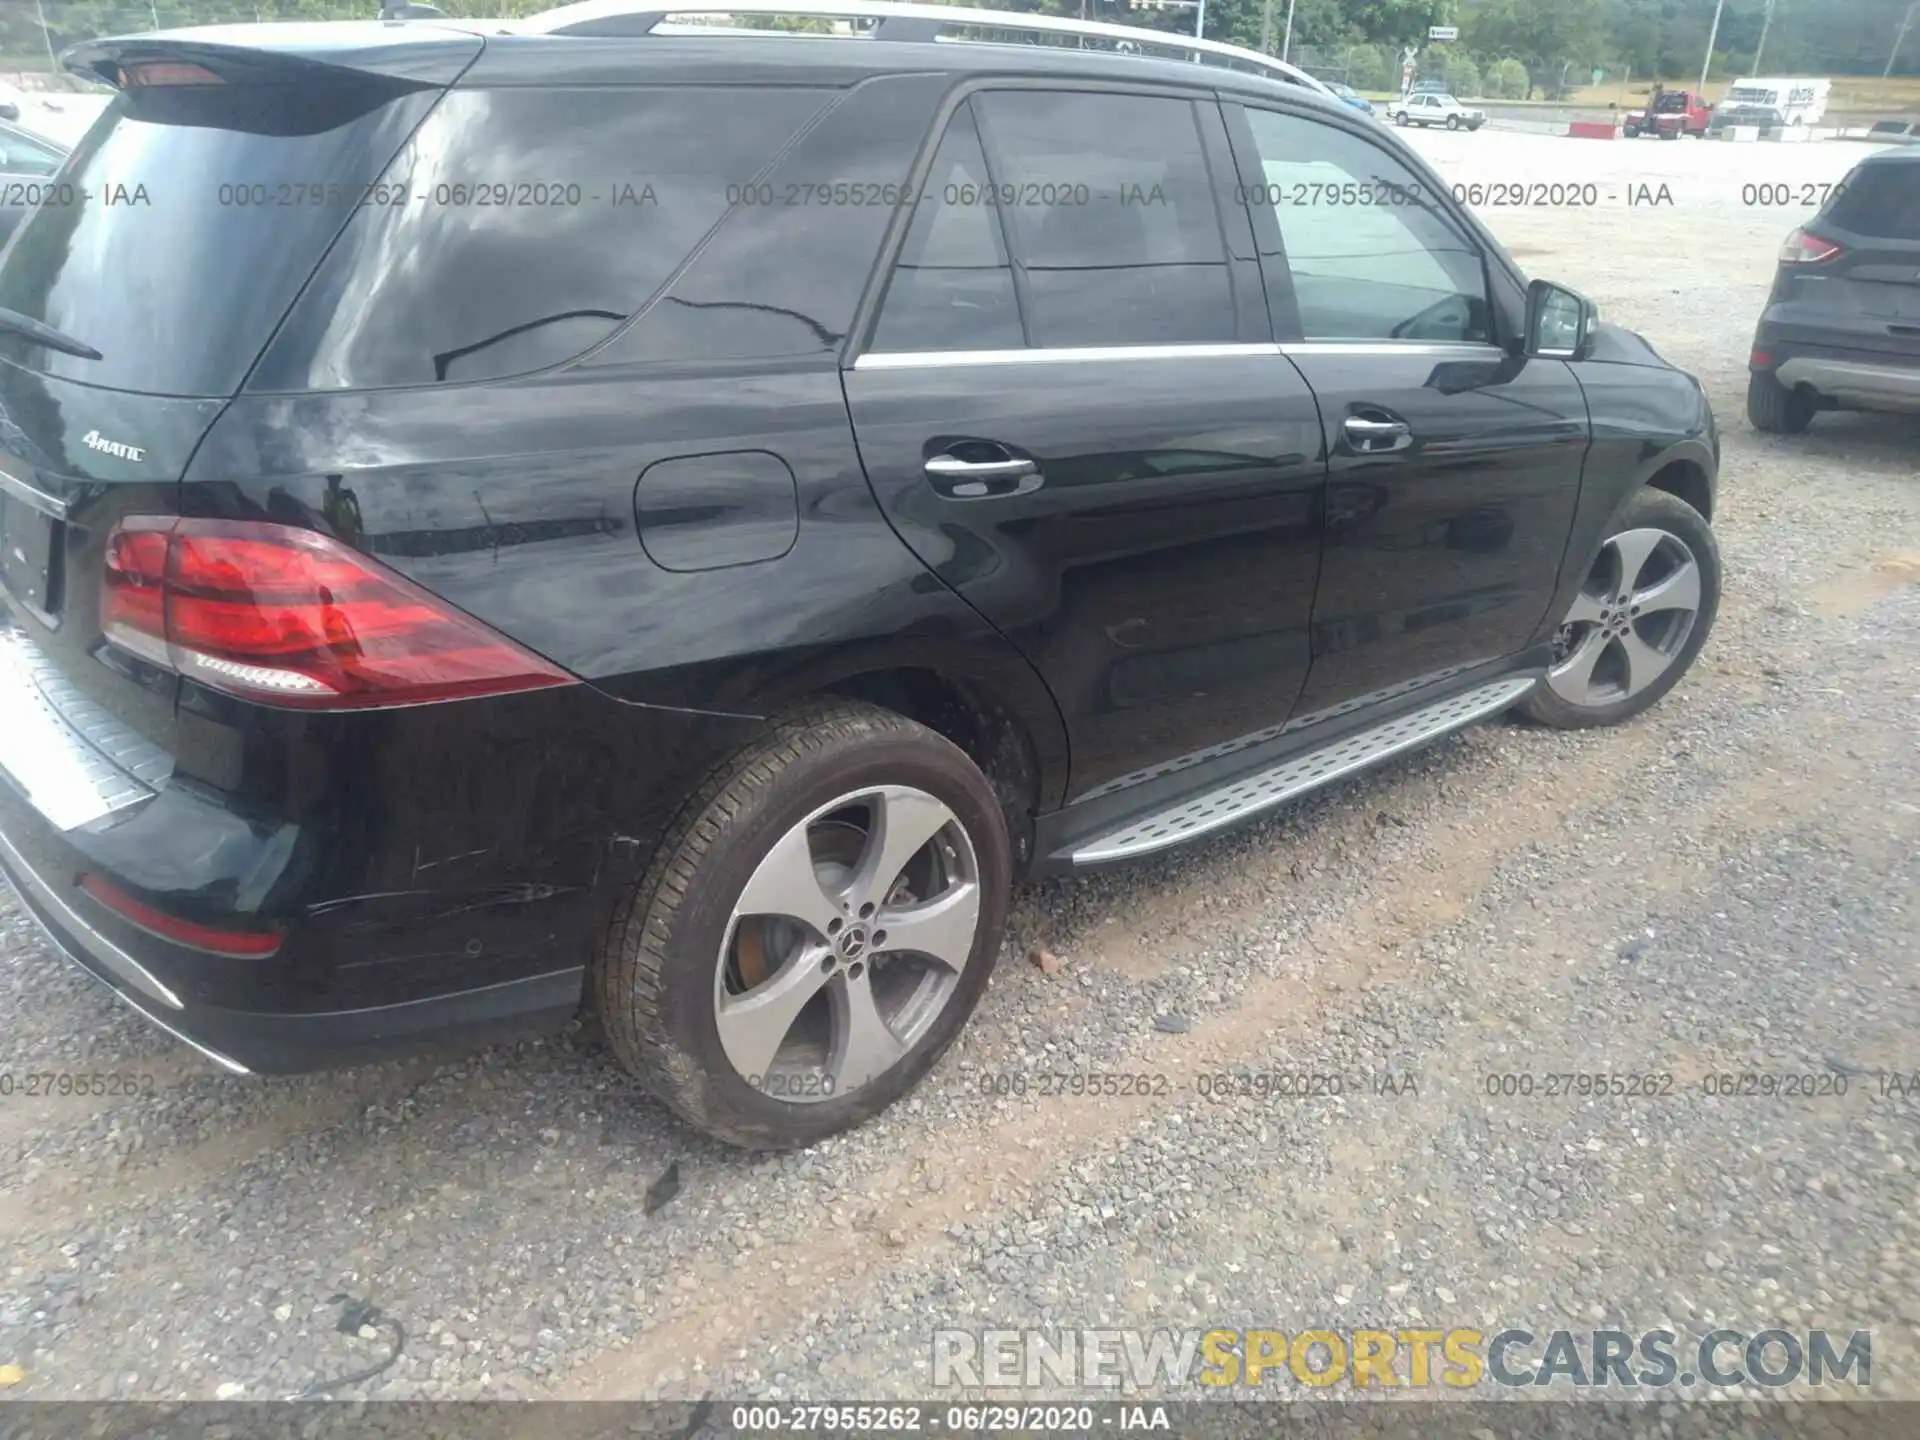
[[680, 522], [1841, 330]]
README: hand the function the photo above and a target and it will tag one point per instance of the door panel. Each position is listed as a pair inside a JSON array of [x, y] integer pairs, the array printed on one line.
[[1161, 574], [1073, 412], [1453, 465], [1444, 553]]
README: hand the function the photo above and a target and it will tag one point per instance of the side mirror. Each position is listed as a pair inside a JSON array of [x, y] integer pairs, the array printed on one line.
[[1560, 322]]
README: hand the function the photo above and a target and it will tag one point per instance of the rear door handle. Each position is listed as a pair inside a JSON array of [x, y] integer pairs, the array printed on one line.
[[1373, 437], [982, 479]]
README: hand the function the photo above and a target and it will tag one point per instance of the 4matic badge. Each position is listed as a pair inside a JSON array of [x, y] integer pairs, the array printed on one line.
[[94, 440]]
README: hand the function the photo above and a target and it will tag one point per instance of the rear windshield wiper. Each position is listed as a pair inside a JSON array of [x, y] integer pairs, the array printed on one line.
[[14, 323]]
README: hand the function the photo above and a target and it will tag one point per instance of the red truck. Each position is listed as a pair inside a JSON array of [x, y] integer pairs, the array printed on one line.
[[1670, 114]]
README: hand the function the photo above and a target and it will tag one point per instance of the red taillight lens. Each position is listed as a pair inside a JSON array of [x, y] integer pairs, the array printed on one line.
[[287, 616], [1803, 247], [181, 932], [145, 73]]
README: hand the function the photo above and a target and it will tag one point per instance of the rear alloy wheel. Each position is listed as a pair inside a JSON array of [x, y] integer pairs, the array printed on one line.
[[1774, 409], [815, 933], [1639, 619]]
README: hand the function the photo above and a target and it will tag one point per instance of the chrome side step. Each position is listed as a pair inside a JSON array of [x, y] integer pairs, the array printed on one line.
[[1297, 774]]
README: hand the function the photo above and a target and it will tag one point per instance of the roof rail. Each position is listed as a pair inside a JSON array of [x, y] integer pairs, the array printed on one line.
[[911, 21]]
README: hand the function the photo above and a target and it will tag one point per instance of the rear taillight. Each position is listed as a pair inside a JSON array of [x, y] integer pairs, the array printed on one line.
[[292, 618], [1803, 247], [142, 74]]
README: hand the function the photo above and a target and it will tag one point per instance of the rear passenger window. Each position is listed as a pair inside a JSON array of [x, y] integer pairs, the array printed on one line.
[[1370, 251], [1881, 201], [952, 288], [1111, 211], [518, 228]]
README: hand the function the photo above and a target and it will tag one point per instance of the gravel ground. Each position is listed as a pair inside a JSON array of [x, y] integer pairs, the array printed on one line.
[[1726, 885]]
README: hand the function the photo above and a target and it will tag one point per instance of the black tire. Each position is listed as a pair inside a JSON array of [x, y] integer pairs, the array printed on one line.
[[1773, 409], [1654, 509], [1400, 118], [1453, 122], [1632, 132], [654, 977]]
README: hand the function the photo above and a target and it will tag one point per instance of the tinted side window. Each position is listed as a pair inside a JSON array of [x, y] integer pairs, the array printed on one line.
[[1369, 250], [21, 156], [952, 288], [523, 227], [1112, 214], [1882, 201], [192, 228]]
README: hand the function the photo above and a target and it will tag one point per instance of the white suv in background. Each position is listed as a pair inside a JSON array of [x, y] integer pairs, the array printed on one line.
[[1431, 108]]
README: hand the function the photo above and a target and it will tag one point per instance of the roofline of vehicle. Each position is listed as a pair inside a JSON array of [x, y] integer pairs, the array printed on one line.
[[557, 21], [395, 49]]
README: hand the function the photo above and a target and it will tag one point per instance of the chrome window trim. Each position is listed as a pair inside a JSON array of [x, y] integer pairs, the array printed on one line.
[[1474, 349], [1041, 355], [1066, 354]]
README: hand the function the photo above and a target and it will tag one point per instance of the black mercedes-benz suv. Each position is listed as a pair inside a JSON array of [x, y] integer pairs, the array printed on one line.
[[1841, 330], [603, 514]]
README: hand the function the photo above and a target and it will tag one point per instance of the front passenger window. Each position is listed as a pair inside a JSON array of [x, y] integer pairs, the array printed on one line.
[[1370, 252]]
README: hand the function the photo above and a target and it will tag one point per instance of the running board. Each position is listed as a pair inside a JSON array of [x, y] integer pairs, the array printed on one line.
[[1297, 774]]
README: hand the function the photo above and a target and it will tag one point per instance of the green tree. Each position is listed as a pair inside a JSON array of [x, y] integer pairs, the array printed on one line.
[[1550, 37]]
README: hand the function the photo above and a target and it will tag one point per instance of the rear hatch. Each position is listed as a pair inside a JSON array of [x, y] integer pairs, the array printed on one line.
[[202, 200], [1867, 297]]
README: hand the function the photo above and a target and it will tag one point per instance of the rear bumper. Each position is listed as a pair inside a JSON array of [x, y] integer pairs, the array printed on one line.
[[430, 875], [1855, 382], [246, 1042], [1850, 361]]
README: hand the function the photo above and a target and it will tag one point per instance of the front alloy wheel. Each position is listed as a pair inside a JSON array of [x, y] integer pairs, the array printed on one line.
[[1630, 621], [1638, 620]]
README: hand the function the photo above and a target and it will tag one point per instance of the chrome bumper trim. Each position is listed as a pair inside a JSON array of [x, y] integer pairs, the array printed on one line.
[[1852, 378], [72, 760], [13, 865], [225, 1062]]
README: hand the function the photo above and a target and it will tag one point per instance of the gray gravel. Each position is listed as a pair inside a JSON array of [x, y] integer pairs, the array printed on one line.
[[1728, 884]]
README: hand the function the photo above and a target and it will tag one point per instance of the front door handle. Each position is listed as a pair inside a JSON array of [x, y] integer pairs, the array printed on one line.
[[982, 479], [1373, 437]]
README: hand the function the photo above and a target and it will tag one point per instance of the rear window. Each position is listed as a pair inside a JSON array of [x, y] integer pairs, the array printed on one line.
[[525, 226], [188, 218], [1882, 201]]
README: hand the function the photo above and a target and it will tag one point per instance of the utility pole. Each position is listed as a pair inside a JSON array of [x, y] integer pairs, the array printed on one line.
[[1894, 54], [1712, 35], [1200, 21], [47, 35], [1266, 28], [1286, 45], [1761, 48]]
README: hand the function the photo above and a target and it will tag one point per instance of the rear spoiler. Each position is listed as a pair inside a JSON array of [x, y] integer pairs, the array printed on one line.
[[409, 55]]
